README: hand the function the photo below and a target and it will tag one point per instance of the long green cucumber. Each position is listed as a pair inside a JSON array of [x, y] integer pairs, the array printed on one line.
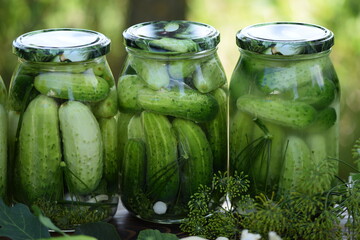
[[266, 167], [3, 92], [123, 120], [37, 167], [209, 76], [72, 86], [286, 113], [107, 107], [83, 147], [195, 150], [128, 88], [3, 151], [297, 159], [109, 128], [183, 103], [241, 135], [216, 131], [133, 169], [162, 169]]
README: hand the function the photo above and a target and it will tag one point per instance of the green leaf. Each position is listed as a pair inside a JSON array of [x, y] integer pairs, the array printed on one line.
[[45, 220], [150, 234], [79, 237], [99, 230], [18, 223]]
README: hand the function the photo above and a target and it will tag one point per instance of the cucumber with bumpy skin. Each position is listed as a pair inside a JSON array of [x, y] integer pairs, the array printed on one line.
[[128, 88], [72, 86], [135, 128], [3, 151], [297, 159], [133, 169], [162, 169], [209, 76], [123, 120], [83, 147], [286, 113], [37, 167], [325, 119], [185, 103], [195, 150], [216, 131], [108, 127], [107, 107]]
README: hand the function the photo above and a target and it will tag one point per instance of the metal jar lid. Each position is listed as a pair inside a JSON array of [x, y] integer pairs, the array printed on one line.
[[285, 38], [61, 45], [171, 37]]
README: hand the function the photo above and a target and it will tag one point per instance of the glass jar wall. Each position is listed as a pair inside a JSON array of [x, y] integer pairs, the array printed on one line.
[[63, 115], [3, 141], [284, 109], [173, 112]]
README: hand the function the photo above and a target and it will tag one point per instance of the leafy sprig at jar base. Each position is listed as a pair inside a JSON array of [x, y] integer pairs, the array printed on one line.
[[62, 111], [284, 109], [173, 131]]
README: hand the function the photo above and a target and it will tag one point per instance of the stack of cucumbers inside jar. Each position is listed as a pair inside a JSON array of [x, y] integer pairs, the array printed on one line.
[[63, 114], [284, 109], [172, 124]]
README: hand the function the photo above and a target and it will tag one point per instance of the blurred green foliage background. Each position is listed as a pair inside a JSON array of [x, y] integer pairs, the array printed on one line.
[[111, 17]]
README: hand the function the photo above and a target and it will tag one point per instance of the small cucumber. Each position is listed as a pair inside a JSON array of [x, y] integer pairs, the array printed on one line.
[[325, 119], [135, 128], [184, 103], [318, 95], [19, 86], [107, 107], [209, 76], [102, 70], [72, 86], [154, 73], [216, 131], [286, 113], [37, 167], [133, 169], [83, 147], [196, 156], [128, 88], [123, 120], [162, 169], [108, 127], [297, 159], [181, 69], [241, 135], [174, 45], [3, 151], [290, 75]]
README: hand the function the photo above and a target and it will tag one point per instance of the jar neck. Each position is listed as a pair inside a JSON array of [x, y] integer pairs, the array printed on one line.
[[170, 56], [50, 65], [300, 57]]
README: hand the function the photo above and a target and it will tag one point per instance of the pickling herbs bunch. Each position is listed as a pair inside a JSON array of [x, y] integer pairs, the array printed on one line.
[[227, 207]]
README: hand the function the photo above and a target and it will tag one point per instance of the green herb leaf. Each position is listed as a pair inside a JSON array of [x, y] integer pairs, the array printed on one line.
[[18, 223], [99, 230], [150, 234]]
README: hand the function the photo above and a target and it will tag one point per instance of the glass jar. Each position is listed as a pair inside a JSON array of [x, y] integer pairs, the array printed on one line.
[[3, 141], [63, 116], [172, 101], [284, 109]]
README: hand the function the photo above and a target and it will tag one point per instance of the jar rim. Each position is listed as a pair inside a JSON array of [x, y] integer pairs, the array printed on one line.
[[171, 37], [285, 38], [61, 45]]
